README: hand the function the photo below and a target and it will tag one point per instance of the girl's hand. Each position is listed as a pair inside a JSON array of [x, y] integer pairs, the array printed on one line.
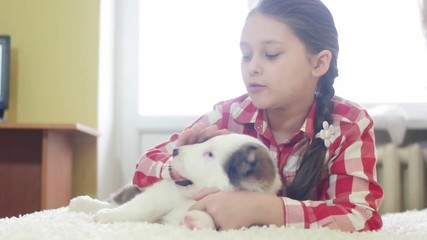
[[234, 210], [199, 133]]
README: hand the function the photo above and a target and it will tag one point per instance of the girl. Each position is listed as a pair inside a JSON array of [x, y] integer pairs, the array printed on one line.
[[324, 145]]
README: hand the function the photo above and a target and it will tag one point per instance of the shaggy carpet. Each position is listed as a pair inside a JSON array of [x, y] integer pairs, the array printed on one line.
[[62, 224]]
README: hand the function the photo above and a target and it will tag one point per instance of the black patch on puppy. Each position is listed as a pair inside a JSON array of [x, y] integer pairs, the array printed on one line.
[[250, 165], [125, 194]]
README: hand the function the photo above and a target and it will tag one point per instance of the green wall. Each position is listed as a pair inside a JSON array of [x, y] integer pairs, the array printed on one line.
[[54, 72]]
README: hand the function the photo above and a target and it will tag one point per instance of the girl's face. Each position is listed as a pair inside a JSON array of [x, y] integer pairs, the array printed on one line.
[[276, 66]]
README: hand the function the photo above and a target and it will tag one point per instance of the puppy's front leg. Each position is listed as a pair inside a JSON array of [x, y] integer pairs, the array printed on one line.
[[149, 206], [88, 205], [196, 219]]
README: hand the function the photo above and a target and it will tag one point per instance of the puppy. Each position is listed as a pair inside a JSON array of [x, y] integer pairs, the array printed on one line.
[[229, 162]]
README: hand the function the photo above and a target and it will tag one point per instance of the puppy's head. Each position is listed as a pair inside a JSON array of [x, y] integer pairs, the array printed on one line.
[[227, 162]]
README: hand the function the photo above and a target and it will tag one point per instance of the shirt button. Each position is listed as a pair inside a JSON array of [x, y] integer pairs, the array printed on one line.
[[368, 213]]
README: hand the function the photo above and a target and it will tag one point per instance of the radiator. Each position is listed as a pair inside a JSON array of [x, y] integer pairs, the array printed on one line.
[[402, 173]]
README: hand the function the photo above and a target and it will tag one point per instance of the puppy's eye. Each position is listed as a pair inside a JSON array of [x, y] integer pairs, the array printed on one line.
[[209, 154]]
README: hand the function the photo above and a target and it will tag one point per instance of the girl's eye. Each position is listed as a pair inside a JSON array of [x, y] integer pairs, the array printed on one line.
[[209, 154], [246, 58], [272, 56]]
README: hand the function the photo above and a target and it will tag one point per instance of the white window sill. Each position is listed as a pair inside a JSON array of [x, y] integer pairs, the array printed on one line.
[[398, 118]]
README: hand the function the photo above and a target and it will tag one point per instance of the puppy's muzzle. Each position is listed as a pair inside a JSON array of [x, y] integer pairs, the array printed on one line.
[[181, 181]]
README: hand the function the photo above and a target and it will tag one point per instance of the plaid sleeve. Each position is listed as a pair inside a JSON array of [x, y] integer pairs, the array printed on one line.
[[153, 165], [350, 196]]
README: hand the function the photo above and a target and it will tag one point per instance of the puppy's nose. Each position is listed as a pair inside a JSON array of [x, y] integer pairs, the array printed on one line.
[[175, 152]]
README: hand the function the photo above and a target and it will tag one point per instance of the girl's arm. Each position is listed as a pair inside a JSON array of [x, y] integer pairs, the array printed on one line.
[[351, 195], [348, 198], [154, 164]]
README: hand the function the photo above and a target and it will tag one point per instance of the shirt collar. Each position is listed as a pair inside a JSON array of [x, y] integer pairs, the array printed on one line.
[[308, 125], [245, 112]]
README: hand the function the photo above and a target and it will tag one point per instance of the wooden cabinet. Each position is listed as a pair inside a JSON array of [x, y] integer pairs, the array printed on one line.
[[37, 162]]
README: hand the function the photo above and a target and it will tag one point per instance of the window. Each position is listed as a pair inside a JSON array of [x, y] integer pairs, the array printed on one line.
[[189, 55], [383, 55], [190, 59]]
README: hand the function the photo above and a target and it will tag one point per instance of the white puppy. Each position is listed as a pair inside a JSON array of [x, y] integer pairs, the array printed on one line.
[[226, 162]]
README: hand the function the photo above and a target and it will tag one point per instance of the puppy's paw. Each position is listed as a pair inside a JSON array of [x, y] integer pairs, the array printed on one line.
[[82, 204], [87, 204], [198, 220], [107, 216]]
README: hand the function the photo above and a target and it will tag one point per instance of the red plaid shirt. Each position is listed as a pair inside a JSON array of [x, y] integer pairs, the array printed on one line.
[[348, 195]]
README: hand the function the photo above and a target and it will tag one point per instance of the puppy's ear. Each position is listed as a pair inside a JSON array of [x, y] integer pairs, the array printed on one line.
[[250, 168]]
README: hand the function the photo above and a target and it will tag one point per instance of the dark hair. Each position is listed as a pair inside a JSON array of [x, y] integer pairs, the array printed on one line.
[[314, 25]]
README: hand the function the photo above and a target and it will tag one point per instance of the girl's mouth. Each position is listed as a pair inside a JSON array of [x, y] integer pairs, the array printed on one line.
[[255, 88]]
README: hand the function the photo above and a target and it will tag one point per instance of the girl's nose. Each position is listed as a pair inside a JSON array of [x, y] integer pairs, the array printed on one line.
[[254, 68], [254, 71]]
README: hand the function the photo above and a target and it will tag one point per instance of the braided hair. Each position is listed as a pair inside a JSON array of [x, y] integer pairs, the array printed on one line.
[[313, 24]]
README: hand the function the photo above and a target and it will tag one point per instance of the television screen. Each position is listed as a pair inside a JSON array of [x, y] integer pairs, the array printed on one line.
[[4, 73]]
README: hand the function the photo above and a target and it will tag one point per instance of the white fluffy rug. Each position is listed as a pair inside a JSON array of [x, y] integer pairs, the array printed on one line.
[[63, 225]]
